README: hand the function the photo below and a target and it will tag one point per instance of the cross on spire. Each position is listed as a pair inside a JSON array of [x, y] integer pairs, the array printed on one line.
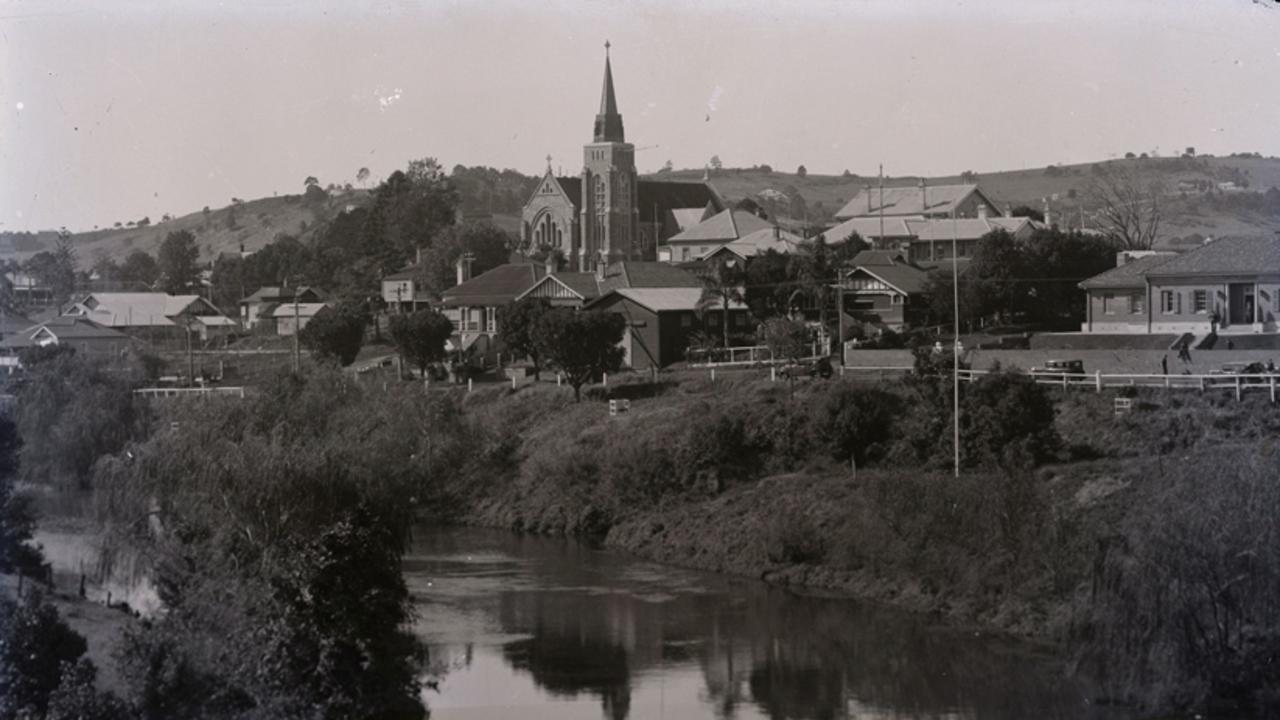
[[548, 161], [606, 48]]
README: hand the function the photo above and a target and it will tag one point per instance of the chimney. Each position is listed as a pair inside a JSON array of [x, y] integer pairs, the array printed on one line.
[[982, 211], [1008, 211], [1048, 217], [464, 267]]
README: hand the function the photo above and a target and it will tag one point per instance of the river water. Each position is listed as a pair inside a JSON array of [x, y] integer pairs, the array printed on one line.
[[531, 628]]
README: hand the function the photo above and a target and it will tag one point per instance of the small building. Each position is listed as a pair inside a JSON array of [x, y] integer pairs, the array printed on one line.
[[84, 336], [930, 239], [26, 290], [711, 234], [404, 291], [757, 243], [660, 322], [884, 289], [919, 201], [1231, 285], [291, 318], [155, 316], [259, 307]]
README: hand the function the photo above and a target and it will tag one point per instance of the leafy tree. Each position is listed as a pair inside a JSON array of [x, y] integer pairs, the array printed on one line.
[[716, 164], [335, 334], [420, 337], [667, 167], [17, 523], [34, 644], [488, 246], [144, 222], [516, 327], [786, 338], [767, 284], [311, 181], [722, 281], [815, 268], [139, 267], [1028, 212], [580, 344], [78, 698], [856, 423], [802, 171], [362, 176], [1007, 421], [177, 260]]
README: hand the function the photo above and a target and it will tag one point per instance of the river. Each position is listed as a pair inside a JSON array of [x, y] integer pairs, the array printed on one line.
[[531, 628]]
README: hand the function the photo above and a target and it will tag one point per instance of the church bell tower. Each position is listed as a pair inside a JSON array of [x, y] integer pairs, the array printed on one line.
[[610, 205]]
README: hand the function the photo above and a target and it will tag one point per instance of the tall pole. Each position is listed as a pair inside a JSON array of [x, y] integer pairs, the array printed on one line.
[[191, 360], [880, 240], [297, 353], [955, 345]]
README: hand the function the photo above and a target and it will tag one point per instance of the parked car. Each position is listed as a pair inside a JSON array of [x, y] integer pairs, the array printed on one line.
[[1245, 367], [820, 368], [1060, 369]]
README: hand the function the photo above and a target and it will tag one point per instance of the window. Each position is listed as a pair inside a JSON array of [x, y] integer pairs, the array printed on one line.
[[599, 193], [1200, 301], [897, 300], [491, 319], [684, 253], [1108, 304], [1170, 302], [686, 320], [1137, 303]]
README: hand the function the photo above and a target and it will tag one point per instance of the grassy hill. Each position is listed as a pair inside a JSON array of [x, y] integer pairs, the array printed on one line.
[[257, 222]]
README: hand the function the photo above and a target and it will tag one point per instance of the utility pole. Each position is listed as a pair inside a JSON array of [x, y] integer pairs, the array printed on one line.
[[880, 240], [297, 352], [955, 345]]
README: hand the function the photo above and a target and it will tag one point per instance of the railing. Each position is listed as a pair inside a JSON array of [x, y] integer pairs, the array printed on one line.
[[197, 391], [739, 356]]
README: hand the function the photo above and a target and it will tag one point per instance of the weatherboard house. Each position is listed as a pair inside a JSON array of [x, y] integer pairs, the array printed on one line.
[[607, 213], [155, 316], [1231, 286]]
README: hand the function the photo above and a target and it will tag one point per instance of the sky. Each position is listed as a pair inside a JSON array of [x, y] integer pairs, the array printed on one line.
[[110, 111]]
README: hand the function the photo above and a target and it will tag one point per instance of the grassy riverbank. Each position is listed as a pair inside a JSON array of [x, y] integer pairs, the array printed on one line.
[[1068, 537]]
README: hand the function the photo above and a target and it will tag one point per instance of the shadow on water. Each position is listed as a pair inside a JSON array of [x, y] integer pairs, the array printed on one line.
[[573, 632]]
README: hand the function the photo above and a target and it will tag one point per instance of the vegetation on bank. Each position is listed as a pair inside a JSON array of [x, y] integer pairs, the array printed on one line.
[[273, 526]]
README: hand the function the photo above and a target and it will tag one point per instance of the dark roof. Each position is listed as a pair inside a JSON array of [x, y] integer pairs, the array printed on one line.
[[1228, 256], [636, 274], [907, 278], [583, 283], [408, 273], [66, 328], [275, 293], [572, 187], [498, 286], [1132, 274], [879, 257], [669, 194]]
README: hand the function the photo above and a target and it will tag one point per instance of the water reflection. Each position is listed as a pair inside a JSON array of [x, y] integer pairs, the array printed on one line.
[[541, 628]]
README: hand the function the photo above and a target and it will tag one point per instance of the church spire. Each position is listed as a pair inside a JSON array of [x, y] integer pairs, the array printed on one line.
[[608, 120]]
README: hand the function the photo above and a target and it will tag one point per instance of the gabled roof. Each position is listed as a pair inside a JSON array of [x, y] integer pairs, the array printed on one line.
[[879, 257], [938, 229], [1228, 256], [306, 310], [63, 329], [725, 226], [909, 200], [673, 194], [1132, 274], [907, 279], [646, 274], [665, 299], [140, 309], [498, 286], [275, 293], [760, 242], [579, 284], [867, 228], [688, 217]]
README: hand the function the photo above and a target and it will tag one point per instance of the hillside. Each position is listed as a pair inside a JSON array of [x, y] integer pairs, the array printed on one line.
[[257, 222]]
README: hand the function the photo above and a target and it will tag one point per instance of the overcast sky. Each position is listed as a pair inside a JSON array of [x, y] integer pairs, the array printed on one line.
[[147, 108]]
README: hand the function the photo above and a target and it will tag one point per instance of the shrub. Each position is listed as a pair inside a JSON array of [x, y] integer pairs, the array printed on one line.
[[794, 540], [856, 424], [1007, 421], [34, 644], [335, 334]]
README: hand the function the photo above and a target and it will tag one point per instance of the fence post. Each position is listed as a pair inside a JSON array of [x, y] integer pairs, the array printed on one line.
[[468, 384], [558, 376], [1098, 379], [513, 381], [1237, 388], [1273, 388], [604, 379], [713, 374], [773, 377]]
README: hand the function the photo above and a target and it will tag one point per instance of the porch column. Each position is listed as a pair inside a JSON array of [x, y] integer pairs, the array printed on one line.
[[1257, 303]]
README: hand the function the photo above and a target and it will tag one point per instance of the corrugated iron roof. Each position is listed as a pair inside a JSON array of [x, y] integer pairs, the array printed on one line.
[[907, 200], [498, 286], [667, 299], [1132, 274], [723, 227]]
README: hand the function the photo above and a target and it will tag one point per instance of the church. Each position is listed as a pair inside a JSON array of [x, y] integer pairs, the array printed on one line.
[[607, 213]]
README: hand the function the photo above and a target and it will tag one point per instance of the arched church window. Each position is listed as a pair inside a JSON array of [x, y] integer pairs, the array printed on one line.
[[599, 192]]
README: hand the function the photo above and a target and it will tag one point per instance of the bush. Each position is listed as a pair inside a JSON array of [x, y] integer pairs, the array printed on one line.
[[34, 644], [1007, 421], [794, 540], [856, 424], [335, 334]]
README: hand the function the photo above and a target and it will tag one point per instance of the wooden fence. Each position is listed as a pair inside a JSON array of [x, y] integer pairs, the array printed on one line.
[[745, 356], [170, 392]]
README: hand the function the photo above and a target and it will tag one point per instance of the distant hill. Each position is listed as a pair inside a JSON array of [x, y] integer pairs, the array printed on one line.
[[496, 196]]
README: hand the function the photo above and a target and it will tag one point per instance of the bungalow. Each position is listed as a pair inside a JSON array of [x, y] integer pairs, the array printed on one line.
[[757, 243], [83, 335], [884, 289], [660, 321], [258, 307], [293, 317], [711, 234], [404, 291], [154, 315], [1230, 285], [930, 239], [919, 201]]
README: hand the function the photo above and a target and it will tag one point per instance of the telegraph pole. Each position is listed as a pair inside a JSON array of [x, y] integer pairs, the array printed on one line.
[[955, 345], [297, 353]]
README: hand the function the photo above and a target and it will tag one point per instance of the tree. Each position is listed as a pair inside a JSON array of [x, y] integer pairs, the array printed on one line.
[[420, 337], [311, 181], [177, 262], [1027, 211], [34, 644], [335, 334], [667, 167], [516, 327], [362, 176], [716, 164], [139, 267], [144, 222], [580, 344], [767, 284], [722, 281], [1127, 205], [786, 338], [802, 171], [487, 245]]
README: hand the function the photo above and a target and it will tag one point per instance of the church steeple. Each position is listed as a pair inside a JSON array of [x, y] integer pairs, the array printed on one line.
[[608, 120]]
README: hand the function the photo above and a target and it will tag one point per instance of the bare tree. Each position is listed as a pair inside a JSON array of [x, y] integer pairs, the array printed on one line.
[[1126, 203]]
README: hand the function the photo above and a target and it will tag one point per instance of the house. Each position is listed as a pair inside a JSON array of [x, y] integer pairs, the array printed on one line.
[[83, 335], [473, 303], [290, 318], [26, 290], [155, 316], [919, 201], [711, 234], [404, 291], [885, 289], [660, 321], [930, 239], [258, 307], [1231, 285], [757, 243]]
